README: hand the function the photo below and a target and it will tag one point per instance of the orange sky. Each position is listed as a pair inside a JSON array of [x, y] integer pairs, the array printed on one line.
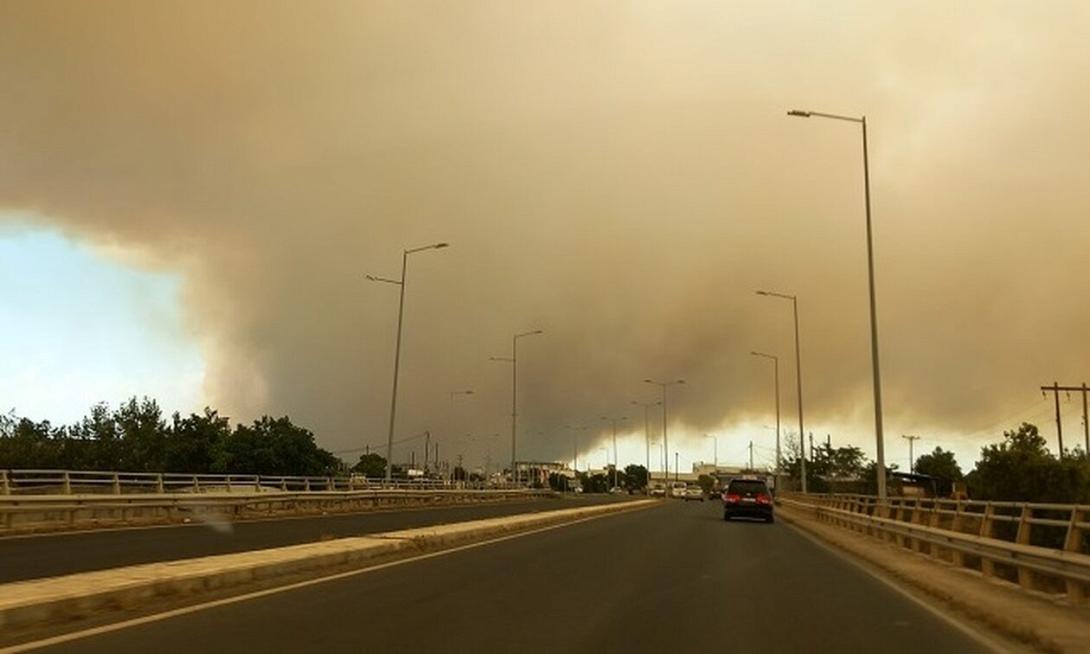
[[621, 175]]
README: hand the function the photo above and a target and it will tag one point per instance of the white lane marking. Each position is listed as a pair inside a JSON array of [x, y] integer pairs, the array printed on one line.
[[134, 622], [873, 571]]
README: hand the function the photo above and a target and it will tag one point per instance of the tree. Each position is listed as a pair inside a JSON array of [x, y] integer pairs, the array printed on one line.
[[370, 465], [1021, 468], [635, 477], [140, 425], [596, 483], [706, 483], [939, 463], [275, 446]]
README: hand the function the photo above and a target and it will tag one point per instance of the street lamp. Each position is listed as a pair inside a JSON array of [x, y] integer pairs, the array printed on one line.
[[647, 435], [776, 380], [616, 463], [715, 440], [514, 361], [575, 447], [798, 378], [397, 349], [665, 444], [879, 438]]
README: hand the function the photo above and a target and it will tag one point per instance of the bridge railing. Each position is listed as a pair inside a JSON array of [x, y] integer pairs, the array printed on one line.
[[1039, 546], [69, 482], [48, 512]]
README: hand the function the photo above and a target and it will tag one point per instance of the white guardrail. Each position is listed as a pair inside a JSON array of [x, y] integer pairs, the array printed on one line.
[[68, 482], [61, 499], [1041, 547]]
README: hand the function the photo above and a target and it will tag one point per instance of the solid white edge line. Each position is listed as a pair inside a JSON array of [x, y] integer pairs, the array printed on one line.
[[156, 617], [875, 572]]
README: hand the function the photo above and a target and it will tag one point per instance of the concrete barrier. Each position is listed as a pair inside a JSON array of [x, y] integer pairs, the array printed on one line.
[[39, 513], [46, 601]]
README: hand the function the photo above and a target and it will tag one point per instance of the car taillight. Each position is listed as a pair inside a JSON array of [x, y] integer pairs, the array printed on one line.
[[764, 498], [732, 498]]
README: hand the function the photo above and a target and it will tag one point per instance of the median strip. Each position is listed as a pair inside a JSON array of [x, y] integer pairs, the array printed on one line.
[[46, 601]]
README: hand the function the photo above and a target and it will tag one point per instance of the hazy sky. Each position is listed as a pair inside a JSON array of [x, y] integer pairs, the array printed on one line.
[[621, 175]]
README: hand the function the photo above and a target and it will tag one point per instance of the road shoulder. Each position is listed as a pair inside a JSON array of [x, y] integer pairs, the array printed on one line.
[[1036, 622]]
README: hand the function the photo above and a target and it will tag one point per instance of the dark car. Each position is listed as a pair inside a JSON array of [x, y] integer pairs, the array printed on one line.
[[748, 498]]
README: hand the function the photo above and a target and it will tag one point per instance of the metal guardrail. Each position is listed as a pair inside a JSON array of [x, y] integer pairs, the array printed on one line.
[[51, 511], [68, 482], [1041, 547]]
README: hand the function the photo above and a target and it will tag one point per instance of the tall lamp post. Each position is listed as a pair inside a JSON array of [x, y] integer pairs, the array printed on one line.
[[514, 361], [613, 422], [776, 380], [397, 348], [665, 444], [878, 435], [715, 441], [798, 379], [647, 435], [574, 446]]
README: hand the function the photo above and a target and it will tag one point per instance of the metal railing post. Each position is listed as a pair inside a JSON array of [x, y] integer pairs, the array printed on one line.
[[1072, 543], [67, 483], [117, 484], [957, 525], [987, 523], [1025, 575]]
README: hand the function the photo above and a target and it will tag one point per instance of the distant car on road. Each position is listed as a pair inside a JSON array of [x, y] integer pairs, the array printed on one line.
[[617, 490], [677, 489], [748, 498], [694, 493], [658, 490]]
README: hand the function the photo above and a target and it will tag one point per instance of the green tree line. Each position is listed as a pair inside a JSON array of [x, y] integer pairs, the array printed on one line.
[[1019, 468], [137, 437]]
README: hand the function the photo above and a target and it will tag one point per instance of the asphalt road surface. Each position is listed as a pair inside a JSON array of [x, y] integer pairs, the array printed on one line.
[[48, 555], [674, 578]]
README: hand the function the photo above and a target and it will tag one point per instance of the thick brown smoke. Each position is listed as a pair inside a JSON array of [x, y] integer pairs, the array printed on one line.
[[621, 175]]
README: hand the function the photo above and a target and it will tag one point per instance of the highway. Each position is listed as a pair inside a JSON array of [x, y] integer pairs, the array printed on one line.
[[48, 555], [670, 578]]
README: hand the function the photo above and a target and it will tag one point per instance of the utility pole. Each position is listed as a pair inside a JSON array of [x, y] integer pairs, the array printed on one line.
[[751, 456], [676, 468], [811, 445], [911, 455], [1055, 389]]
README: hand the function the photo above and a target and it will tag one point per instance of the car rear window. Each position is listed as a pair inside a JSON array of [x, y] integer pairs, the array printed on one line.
[[743, 486]]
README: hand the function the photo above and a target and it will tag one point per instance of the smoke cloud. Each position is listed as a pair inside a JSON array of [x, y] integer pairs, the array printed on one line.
[[620, 175]]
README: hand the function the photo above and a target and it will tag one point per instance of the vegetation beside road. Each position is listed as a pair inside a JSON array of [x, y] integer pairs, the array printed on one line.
[[1019, 468], [137, 437]]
